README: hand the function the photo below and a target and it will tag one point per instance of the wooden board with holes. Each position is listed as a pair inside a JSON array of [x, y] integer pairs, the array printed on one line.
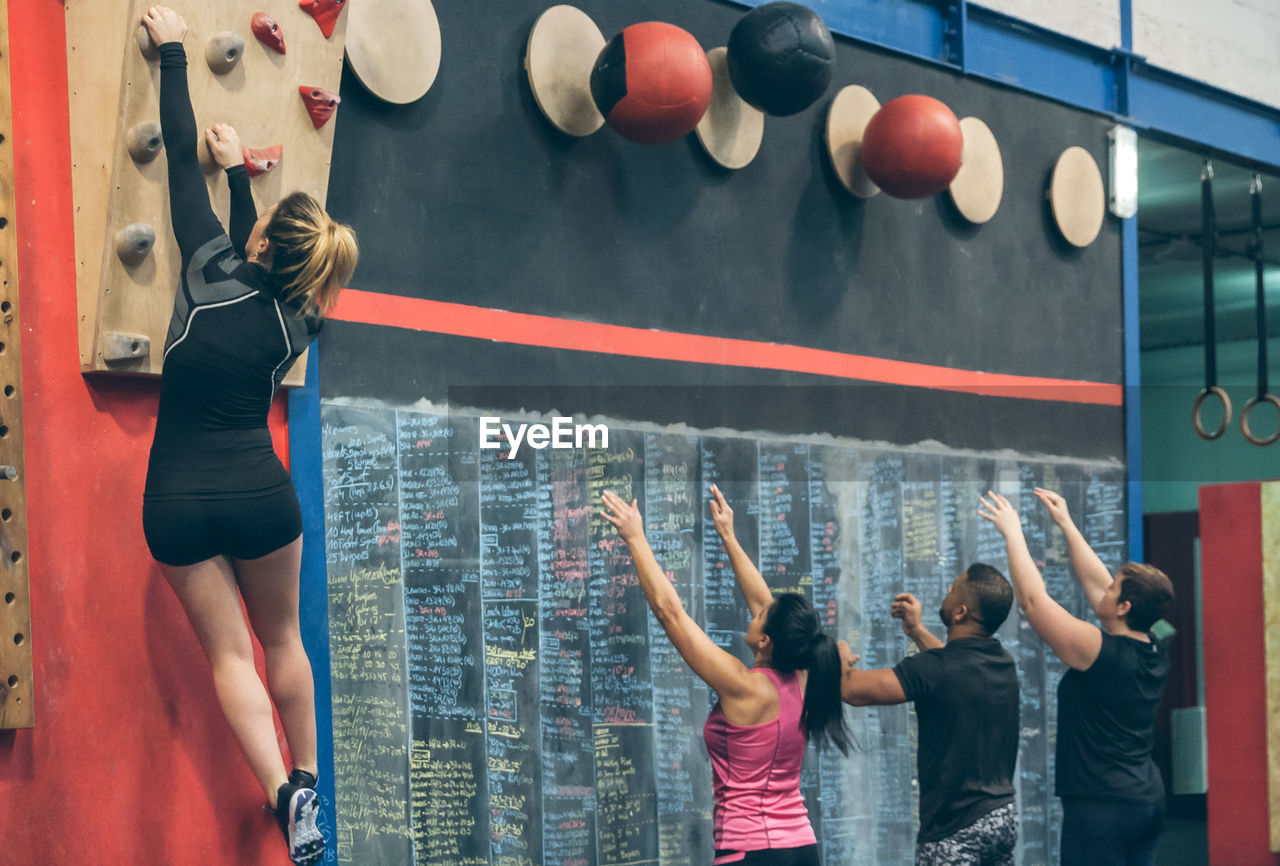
[[1270, 492], [17, 693], [113, 88]]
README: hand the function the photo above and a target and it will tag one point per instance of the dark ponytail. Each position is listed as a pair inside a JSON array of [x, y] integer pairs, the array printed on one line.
[[799, 644]]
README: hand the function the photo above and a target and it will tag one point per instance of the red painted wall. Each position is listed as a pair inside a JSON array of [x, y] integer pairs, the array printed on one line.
[[1234, 667], [130, 761]]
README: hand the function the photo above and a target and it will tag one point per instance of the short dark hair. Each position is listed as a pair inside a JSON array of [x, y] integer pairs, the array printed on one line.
[[1149, 593], [991, 594]]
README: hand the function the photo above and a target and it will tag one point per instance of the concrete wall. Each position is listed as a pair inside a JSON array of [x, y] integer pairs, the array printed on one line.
[[1096, 21], [1232, 44]]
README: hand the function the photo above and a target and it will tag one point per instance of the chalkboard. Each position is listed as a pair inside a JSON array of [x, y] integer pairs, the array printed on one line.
[[502, 694]]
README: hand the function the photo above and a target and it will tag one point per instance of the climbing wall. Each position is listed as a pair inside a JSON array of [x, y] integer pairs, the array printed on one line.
[[120, 195]]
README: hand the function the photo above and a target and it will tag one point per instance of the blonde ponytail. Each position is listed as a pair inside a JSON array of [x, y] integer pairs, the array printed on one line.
[[313, 253]]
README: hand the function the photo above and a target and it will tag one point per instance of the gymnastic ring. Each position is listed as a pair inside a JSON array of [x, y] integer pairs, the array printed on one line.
[[1244, 419], [1226, 413]]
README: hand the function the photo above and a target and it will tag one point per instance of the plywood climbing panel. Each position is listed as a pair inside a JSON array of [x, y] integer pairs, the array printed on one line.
[[114, 99]]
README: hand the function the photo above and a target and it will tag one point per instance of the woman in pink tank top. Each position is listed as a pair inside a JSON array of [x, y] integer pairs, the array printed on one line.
[[757, 731]]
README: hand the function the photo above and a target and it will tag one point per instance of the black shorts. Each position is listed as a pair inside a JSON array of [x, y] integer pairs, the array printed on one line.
[[186, 531], [805, 855]]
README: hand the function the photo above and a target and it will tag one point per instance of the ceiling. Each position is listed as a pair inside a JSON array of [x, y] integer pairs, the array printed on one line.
[[1170, 267]]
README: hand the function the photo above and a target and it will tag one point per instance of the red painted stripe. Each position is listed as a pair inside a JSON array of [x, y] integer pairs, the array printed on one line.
[[482, 323]]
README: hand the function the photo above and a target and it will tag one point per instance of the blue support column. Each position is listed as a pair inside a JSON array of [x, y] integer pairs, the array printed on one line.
[[306, 465], [1132, 383]]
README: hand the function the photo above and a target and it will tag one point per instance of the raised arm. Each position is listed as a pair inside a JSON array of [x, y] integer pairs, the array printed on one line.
[[1094, 576], [750, 581], [194, 223], [717, 668], [867, 688], [224, 145], [1075, 641], [907, 608]]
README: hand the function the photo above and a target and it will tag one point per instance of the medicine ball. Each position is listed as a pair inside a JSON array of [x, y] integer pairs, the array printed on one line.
[[781, 58], [911, 147], [652, 82]]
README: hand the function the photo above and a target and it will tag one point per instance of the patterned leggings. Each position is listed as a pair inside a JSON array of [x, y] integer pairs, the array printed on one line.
[[989, 841]]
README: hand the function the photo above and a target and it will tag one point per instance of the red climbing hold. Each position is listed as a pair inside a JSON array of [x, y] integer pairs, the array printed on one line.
[[320, 104], [260, 160], [268, 31], [325, 12]]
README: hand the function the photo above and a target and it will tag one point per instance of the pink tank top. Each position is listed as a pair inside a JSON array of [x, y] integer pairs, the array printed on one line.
[[756, 775]]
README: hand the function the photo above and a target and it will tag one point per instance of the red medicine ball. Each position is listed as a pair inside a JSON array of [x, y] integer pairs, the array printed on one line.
[[911, 147], [652, 82]]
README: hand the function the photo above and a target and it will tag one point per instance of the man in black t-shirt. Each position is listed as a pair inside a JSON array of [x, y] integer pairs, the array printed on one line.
[[966, 697]]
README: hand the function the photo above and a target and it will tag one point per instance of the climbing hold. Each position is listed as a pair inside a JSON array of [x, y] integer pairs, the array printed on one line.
[[325, 12], [134, 242], [144, 141], [120, 346], [146, 46], [320, 104], [260, 160], [224, 51], [268, 32]]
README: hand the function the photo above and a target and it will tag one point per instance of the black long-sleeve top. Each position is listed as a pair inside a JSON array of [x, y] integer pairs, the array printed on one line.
[[232, 336]]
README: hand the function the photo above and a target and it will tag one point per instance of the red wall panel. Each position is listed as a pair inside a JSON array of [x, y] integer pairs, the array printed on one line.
[[1234, 669], [130, 761]]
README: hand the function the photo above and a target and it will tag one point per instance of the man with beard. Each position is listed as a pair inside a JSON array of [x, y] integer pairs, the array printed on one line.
[[966, 697]]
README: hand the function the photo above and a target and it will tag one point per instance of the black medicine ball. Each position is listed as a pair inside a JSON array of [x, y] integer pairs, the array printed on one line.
[[781, 58]]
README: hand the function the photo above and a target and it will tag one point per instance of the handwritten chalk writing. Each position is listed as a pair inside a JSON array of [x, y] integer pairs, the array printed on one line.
[[502, 694]]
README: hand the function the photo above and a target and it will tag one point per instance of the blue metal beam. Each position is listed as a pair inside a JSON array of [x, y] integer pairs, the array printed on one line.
[[1186, 109], [955, 32], [914, 27], [1030, 58]]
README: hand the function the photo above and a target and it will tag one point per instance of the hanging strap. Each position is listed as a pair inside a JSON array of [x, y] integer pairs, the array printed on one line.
[[1264, 394], [1209, 249]]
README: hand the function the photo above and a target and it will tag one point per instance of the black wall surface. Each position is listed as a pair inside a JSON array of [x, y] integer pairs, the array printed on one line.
[[471, 196]]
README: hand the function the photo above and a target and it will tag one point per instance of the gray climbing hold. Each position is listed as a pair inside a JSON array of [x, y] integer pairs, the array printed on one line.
[[145, 141], [118, 346], [146, 46], [134, 242], [224, 51]]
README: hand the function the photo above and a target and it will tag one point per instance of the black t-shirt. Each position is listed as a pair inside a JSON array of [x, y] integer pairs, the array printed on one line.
[[1106, 721], [966, 696], [232, 336]]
